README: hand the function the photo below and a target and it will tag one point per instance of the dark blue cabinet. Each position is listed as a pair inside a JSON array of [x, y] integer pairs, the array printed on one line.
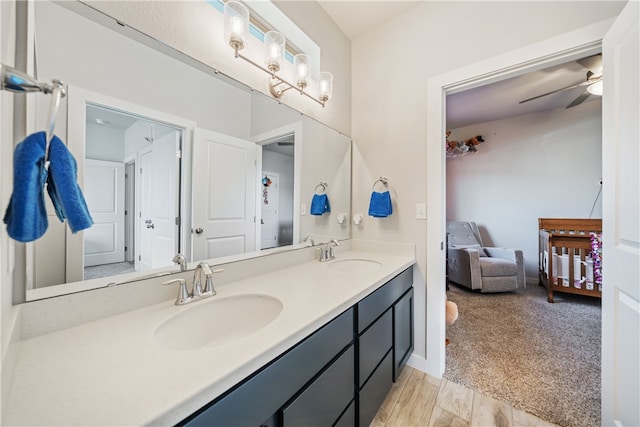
[[338, 376]]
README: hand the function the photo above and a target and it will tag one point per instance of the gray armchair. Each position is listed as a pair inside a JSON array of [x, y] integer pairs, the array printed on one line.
[[471, 264]]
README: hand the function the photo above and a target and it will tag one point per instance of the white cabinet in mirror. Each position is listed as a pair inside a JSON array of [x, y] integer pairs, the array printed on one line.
[[171, 158]]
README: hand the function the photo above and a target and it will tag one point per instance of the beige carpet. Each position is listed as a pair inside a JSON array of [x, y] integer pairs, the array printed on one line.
[[516, 347]]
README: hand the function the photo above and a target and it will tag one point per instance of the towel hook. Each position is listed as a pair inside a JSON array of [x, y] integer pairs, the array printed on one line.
[[383, 180], [323, 188], [57, 93]]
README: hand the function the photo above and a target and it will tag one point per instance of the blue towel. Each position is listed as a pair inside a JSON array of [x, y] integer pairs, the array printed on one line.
[[319, 204], [63, 188], [380, 204], [26, 215]]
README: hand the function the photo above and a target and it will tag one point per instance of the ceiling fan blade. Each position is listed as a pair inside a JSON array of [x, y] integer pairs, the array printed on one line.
[[583, 83], [593, 62], [579, 100]]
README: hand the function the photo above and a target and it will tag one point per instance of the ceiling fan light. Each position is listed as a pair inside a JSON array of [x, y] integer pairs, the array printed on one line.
[[596, 88]]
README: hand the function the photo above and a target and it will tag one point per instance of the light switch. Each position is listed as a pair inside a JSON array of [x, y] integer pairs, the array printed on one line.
[[421, 211], [303, 209]]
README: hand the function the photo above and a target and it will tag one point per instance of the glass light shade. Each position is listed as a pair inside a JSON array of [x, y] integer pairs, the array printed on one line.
[[302, 63], [274, 50], [325, 86], [236, 24], [596, 88]]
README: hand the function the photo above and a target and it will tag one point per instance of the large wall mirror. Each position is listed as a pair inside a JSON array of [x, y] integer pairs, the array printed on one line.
[[172, 158]]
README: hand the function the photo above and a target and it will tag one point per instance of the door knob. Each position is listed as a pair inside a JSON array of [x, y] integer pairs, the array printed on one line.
[[151, 226], [199, 230]]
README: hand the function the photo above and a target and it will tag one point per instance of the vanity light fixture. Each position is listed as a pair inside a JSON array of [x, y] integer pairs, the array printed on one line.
[[236, 27]]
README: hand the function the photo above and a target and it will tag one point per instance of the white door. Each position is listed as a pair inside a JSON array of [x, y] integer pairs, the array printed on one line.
[[269, 200], [158, 202], [104, 193], [224, 195], [621, 227]]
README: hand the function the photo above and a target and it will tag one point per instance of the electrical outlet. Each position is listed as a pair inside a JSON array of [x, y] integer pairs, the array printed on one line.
[[421, 211]]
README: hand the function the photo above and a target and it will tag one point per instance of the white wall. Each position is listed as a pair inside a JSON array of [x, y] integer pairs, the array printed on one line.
[[391, 66], [96, 58], [104, 143], [541, 165]]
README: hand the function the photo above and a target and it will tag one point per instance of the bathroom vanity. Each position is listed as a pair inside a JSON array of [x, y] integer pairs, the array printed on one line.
[[335, 336], [339, 374]]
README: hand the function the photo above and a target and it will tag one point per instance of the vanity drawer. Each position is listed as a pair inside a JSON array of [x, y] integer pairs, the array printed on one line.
[[374, 344], [263, 394], [323, 401], [380, 300], [375, 391]]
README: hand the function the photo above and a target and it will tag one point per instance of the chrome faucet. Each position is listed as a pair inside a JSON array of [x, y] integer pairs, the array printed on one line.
[[208, 290], [309, 239], [183, 294], [326, 253], [180, 260], [332, 244], [197, 291]]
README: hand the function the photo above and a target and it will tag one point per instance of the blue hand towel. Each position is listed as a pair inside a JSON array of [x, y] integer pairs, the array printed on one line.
[[26, 215], [380, 204], [63, 188], [319, 204]]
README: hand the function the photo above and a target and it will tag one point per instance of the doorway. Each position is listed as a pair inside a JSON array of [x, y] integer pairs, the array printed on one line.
[[134, 208], [541, 55], [278, 161]]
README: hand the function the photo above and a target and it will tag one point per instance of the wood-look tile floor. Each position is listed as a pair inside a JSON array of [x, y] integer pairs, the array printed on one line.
[[418, 399]]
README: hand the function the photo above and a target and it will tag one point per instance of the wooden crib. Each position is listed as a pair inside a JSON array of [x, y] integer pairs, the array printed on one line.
[[564, 260]]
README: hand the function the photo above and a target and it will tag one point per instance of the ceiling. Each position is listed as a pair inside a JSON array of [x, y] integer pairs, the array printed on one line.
[[483, 104]]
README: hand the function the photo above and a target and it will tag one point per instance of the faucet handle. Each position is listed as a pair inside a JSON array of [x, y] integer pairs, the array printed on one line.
[[183, 294], [208, 287], [332, 243]]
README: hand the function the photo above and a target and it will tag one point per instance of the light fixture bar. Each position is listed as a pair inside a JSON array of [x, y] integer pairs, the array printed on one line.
[[236, 24], [272, 87]]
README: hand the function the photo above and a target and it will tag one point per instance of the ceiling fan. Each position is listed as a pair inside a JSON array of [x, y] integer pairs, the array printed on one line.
[[592, 84]]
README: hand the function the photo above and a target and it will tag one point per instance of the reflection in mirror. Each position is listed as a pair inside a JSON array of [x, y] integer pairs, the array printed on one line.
[[242, 182], [130, 166]]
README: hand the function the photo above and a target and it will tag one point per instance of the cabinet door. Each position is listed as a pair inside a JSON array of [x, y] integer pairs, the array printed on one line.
[[322, 402], [402, 332]]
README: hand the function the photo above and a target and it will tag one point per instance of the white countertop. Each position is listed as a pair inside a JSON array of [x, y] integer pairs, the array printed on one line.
[[109, 372]]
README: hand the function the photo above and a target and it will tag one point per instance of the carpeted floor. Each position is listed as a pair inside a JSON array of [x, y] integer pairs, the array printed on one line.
[[539, 357]]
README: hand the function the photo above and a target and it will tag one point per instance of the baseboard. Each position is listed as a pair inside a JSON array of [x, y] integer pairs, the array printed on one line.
[[420, 363], [532, 281]]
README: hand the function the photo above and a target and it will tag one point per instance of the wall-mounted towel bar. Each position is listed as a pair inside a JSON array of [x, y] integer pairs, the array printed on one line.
[[19, 82], [384, 182], [322, 186]]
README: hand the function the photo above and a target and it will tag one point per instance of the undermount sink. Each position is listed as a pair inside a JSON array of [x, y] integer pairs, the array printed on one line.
[[216, 321], [355, 265]]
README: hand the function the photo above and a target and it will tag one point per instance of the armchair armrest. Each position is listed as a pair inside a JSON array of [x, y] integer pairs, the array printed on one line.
[[464, 267], [515, 255]]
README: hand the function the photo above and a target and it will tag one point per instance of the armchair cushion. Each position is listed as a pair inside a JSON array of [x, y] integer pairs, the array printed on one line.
[[494, 267]]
